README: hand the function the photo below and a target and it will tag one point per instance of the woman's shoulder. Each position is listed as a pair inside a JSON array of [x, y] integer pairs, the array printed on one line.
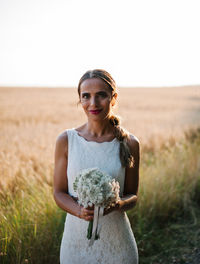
[[133, 142], [63, 136], [134, 139], [62, 141]]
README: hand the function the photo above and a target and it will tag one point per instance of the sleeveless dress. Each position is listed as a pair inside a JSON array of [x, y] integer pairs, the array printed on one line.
[[116, 244]]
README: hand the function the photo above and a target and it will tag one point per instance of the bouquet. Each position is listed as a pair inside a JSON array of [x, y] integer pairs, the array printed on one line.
[[97, 188]]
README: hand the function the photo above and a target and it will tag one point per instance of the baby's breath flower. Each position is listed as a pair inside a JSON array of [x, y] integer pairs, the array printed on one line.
[[95, 187]]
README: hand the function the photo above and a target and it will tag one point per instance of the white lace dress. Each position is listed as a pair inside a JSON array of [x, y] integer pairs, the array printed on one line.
[[117, 243]]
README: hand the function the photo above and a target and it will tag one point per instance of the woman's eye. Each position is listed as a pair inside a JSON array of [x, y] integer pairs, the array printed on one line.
[[103, 94], [85, 96]]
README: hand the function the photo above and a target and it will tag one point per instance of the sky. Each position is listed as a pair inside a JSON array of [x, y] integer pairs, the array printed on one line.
[[140, 42]]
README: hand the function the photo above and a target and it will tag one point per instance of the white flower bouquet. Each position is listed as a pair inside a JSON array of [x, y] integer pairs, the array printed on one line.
[[97, 188]]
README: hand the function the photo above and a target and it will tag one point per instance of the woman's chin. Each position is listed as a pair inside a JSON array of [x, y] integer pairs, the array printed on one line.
[[99, 118]]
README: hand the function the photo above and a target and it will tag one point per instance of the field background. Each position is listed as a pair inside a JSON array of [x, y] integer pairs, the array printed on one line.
[[30, 121]]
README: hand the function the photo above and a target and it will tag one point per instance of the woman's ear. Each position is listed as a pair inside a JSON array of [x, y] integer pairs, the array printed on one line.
[[114, 98]]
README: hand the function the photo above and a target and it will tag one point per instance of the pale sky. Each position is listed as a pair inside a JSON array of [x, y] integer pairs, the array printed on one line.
[[141, 43]]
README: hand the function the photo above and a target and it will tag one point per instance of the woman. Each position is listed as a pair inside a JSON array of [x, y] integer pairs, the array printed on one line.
[[102, 143]]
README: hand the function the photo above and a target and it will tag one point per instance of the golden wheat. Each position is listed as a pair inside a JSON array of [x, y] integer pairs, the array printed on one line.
[[31, 119]]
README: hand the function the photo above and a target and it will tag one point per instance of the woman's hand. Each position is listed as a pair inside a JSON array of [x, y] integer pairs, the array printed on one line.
[[86, 213], [116, 207], [127, 202]]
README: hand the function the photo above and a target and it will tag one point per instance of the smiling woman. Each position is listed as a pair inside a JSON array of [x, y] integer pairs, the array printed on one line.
[[96, 99], [104, 144]]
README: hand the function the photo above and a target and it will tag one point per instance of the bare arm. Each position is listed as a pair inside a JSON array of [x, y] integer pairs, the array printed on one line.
[[131, 183], [60, 185], [131, 178]]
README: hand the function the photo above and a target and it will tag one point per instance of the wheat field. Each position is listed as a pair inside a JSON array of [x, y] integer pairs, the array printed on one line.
[[30, 121], [32, 118]]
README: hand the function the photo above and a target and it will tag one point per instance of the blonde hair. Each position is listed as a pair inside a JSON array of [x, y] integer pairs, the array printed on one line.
[[126, 158]]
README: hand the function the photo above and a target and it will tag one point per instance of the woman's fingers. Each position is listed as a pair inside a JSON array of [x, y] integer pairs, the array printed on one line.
[[87, 214], [111, 209], [90, 207], [89, 218]]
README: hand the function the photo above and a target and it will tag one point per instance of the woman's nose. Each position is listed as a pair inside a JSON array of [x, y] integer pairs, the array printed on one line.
[[93, 101]]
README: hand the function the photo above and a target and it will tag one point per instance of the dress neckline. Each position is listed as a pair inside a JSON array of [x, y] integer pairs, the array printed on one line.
[[91, 141]]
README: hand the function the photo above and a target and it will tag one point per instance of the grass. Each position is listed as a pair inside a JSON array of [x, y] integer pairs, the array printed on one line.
[[173, 242], [31, 225], [168, 210], [167, 213]]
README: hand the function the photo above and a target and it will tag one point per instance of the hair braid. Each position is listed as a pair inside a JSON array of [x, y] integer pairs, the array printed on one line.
[[127, 159]]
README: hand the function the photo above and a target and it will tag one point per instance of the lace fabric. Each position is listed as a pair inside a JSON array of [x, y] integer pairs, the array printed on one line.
[[117, 243]]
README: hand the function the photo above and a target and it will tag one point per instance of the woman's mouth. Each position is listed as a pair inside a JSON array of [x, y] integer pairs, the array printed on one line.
[[95, 112]]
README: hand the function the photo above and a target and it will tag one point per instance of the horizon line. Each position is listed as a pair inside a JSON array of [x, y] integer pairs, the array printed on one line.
[[72, 87]]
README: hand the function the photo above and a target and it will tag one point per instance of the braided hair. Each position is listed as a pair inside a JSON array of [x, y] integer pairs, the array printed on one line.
[[126, 158]]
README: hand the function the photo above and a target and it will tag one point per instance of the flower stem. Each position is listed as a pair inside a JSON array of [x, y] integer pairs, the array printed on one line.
[[89, 231], [96, 236]]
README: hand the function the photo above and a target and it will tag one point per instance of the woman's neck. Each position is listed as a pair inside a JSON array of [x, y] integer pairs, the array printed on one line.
[[96, 129]]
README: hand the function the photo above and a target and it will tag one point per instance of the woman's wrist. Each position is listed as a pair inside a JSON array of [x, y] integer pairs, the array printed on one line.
[[127, 202], [79, 212], [120, 204], [78, 208]]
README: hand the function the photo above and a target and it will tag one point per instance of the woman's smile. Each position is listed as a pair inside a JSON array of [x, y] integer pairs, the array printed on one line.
[[95, 112]]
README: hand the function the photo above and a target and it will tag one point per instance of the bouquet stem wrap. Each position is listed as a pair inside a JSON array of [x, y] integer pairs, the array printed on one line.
[[94, 226]]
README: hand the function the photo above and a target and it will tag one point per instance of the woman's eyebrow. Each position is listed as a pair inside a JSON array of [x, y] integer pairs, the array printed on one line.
[[102, 92], [97, 93]]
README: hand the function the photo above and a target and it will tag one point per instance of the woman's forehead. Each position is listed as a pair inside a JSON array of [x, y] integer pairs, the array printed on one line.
[[93, 85]]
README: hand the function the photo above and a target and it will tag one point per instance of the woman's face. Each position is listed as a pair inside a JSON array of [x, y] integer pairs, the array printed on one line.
[[96, 98]]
